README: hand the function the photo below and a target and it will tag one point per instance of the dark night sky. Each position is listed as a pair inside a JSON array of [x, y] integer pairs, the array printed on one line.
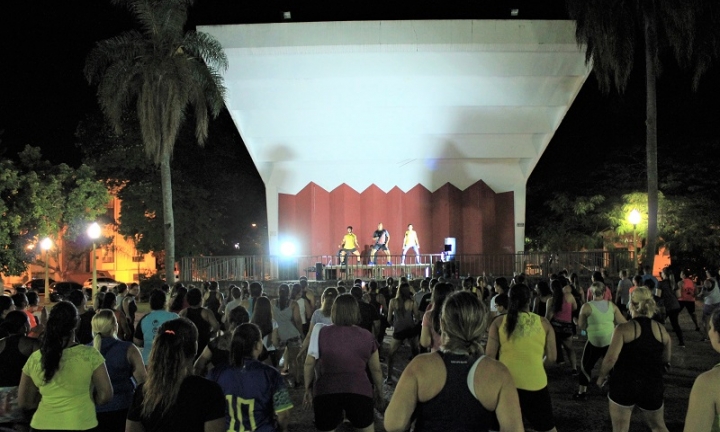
[[43, 94]]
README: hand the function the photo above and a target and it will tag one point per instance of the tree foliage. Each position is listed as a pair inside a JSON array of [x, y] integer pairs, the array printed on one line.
[[216, 197], [166, 73], [38, 199], [612, 31]]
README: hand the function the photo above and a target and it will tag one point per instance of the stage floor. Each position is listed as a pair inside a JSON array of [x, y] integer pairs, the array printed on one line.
[[375, 271]]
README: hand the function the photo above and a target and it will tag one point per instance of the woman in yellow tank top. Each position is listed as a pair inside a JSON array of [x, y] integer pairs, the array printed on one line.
[[522, 339]]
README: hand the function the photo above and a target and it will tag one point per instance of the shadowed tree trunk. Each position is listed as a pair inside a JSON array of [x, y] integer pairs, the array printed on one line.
[[168, 218], [651, 62]]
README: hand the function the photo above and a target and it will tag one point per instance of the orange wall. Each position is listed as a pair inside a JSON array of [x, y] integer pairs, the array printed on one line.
[[481, 220]]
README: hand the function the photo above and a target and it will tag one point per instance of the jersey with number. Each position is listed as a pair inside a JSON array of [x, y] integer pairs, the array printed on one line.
[[253, 394]]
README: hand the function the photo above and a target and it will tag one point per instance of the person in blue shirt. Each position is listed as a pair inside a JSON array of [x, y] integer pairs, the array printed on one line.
[[150, 323], [256, 396]]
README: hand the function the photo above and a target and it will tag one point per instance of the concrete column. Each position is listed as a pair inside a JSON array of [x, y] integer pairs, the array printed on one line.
[[271, 199], [519, 197]]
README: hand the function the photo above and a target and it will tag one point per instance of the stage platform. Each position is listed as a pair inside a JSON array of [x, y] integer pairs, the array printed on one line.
[[375, 271]]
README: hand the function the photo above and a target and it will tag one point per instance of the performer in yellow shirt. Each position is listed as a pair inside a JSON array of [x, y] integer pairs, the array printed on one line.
[[411, 241], [348, 245]]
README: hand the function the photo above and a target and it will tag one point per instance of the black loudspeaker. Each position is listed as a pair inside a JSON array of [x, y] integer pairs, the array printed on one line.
[[319, 271]]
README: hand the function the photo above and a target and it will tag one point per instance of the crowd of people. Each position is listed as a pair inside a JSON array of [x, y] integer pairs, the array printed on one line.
[[206, 360]]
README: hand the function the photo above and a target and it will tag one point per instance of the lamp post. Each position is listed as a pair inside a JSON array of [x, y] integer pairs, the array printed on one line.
[[93, 232], [634, 219], [45, 245]]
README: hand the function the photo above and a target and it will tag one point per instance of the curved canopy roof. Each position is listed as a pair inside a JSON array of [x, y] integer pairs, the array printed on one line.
[[397, 103]]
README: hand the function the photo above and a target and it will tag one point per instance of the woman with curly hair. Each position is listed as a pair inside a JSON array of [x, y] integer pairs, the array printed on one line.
[[173, 399], [56, 379]]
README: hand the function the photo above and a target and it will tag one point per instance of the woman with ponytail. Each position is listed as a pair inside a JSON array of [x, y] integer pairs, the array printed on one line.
[[173, 399], [524, 341], [456, 388], [56, 379], [639, 355], [124, 364], [255, 393]]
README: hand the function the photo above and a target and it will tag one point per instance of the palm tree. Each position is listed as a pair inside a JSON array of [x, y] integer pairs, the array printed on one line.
[[163, 71], [611, 30]]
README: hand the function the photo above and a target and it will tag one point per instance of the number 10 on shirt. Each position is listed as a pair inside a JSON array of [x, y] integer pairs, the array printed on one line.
[[240, 409]]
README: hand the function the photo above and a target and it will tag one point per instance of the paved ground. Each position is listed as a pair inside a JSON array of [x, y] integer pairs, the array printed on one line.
[[592, 414]]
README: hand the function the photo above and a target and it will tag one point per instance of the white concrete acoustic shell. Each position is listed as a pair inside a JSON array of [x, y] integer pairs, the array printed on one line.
[[399, 103]]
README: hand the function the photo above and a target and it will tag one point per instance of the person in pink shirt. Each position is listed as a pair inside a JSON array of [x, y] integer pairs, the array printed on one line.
[[597, 277]]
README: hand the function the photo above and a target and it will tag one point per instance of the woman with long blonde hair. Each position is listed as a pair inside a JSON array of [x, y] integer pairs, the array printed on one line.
[[124, 364], [457, 388], [638, 356], [173, 398]]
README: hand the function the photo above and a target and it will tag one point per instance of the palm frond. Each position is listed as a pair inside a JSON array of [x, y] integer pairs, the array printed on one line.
[[206, 47]]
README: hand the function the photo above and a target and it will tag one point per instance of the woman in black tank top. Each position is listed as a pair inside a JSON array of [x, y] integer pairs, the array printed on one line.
[[638, 356], [457, 388]]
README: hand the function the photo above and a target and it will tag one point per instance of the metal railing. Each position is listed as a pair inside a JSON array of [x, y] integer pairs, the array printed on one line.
[[264, 267]]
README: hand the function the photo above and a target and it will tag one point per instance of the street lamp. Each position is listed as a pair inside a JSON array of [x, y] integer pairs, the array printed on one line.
[[634, 219], [45, 245], [93, 232]]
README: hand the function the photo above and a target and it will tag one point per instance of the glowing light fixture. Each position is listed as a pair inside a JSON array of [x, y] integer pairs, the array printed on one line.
[[287, 248]]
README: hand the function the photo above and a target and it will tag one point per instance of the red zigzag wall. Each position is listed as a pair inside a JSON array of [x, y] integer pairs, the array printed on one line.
[[480, 219]]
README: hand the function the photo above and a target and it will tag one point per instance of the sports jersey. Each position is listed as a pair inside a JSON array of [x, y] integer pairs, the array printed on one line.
[[253, 392]]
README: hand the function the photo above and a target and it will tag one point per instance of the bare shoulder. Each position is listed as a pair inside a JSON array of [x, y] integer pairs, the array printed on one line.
[[708, 382], [424, 364], [490, 368], [545, 323]]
